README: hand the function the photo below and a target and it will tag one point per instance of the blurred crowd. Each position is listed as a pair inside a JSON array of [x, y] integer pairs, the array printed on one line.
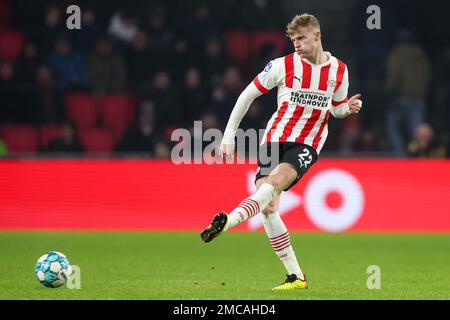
[[173, 59]]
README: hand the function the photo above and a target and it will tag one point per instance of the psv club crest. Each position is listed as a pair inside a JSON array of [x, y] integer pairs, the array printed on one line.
[[331, 83]]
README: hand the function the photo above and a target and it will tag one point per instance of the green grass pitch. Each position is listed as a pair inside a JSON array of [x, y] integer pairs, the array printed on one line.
[[165, 265]]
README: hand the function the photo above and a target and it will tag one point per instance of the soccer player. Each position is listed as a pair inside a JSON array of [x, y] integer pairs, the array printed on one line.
[[311, 84]]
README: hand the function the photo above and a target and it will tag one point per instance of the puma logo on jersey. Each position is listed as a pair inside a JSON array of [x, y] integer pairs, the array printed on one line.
[[331, 83]]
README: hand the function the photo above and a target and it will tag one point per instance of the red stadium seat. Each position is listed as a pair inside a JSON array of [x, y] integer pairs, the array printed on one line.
[[82, 110], [21, 138], [238, 45], [258, 39], [96, 140], [49, 133], [117, 112], [11, 43]]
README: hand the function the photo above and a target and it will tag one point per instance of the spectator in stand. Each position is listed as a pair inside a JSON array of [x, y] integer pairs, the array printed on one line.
[[225, 94], [16, 105], [351, 137], [53, 26], [106, 68], [162, 150], [140, 61], [232, 80], [156, 27], [162, 40], [123, 27], [208, 121], [142, 134], [441, 94], [425, 144], [215, 62], [254, 118], [9, 112], [66, 142], [68, 67], [200, 27], [351, 131], [406, 89], [367, 141], [27, 64], [164, 94], [193, 95], [184, 56], [374, 45], [86, 38], [7, 90], [48, 101], [260, 10]]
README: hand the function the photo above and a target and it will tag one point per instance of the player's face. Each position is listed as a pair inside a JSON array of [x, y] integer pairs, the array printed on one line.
[[305, 41]]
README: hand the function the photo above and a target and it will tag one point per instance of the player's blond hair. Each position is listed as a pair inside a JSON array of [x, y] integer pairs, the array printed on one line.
[[302, 20]]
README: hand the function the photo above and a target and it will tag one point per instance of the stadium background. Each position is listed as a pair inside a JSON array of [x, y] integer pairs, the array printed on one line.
[[86, 118], [114, 91]]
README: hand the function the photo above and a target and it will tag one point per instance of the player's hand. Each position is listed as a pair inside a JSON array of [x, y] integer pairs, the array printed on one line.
[[355, 104], [226, 150]]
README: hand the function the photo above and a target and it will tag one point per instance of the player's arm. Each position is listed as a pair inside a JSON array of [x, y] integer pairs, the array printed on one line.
[[240, 109], [262, 83], [341, 106]]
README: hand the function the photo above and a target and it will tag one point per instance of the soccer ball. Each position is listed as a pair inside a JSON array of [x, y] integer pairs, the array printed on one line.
[[52, 269]]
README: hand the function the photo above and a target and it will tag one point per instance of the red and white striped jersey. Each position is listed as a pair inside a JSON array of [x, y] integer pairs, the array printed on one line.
[[306, 94]]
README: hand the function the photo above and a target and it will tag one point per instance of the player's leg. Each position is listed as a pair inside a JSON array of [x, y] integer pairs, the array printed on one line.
[[279, 179], [281, 243], [267, 190], [300, 158]]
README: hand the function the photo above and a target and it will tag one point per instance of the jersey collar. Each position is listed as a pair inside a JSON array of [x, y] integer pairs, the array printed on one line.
[[319, 65]]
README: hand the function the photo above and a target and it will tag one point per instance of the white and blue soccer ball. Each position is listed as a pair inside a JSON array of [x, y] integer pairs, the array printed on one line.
[[53, 269]]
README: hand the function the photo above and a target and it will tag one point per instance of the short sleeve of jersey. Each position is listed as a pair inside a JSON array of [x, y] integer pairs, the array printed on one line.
[[340, 96], [270, 77]]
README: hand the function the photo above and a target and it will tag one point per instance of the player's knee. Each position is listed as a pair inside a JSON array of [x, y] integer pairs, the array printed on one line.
[[270, 209], [279, 181], [275, 181], [283, 177]]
